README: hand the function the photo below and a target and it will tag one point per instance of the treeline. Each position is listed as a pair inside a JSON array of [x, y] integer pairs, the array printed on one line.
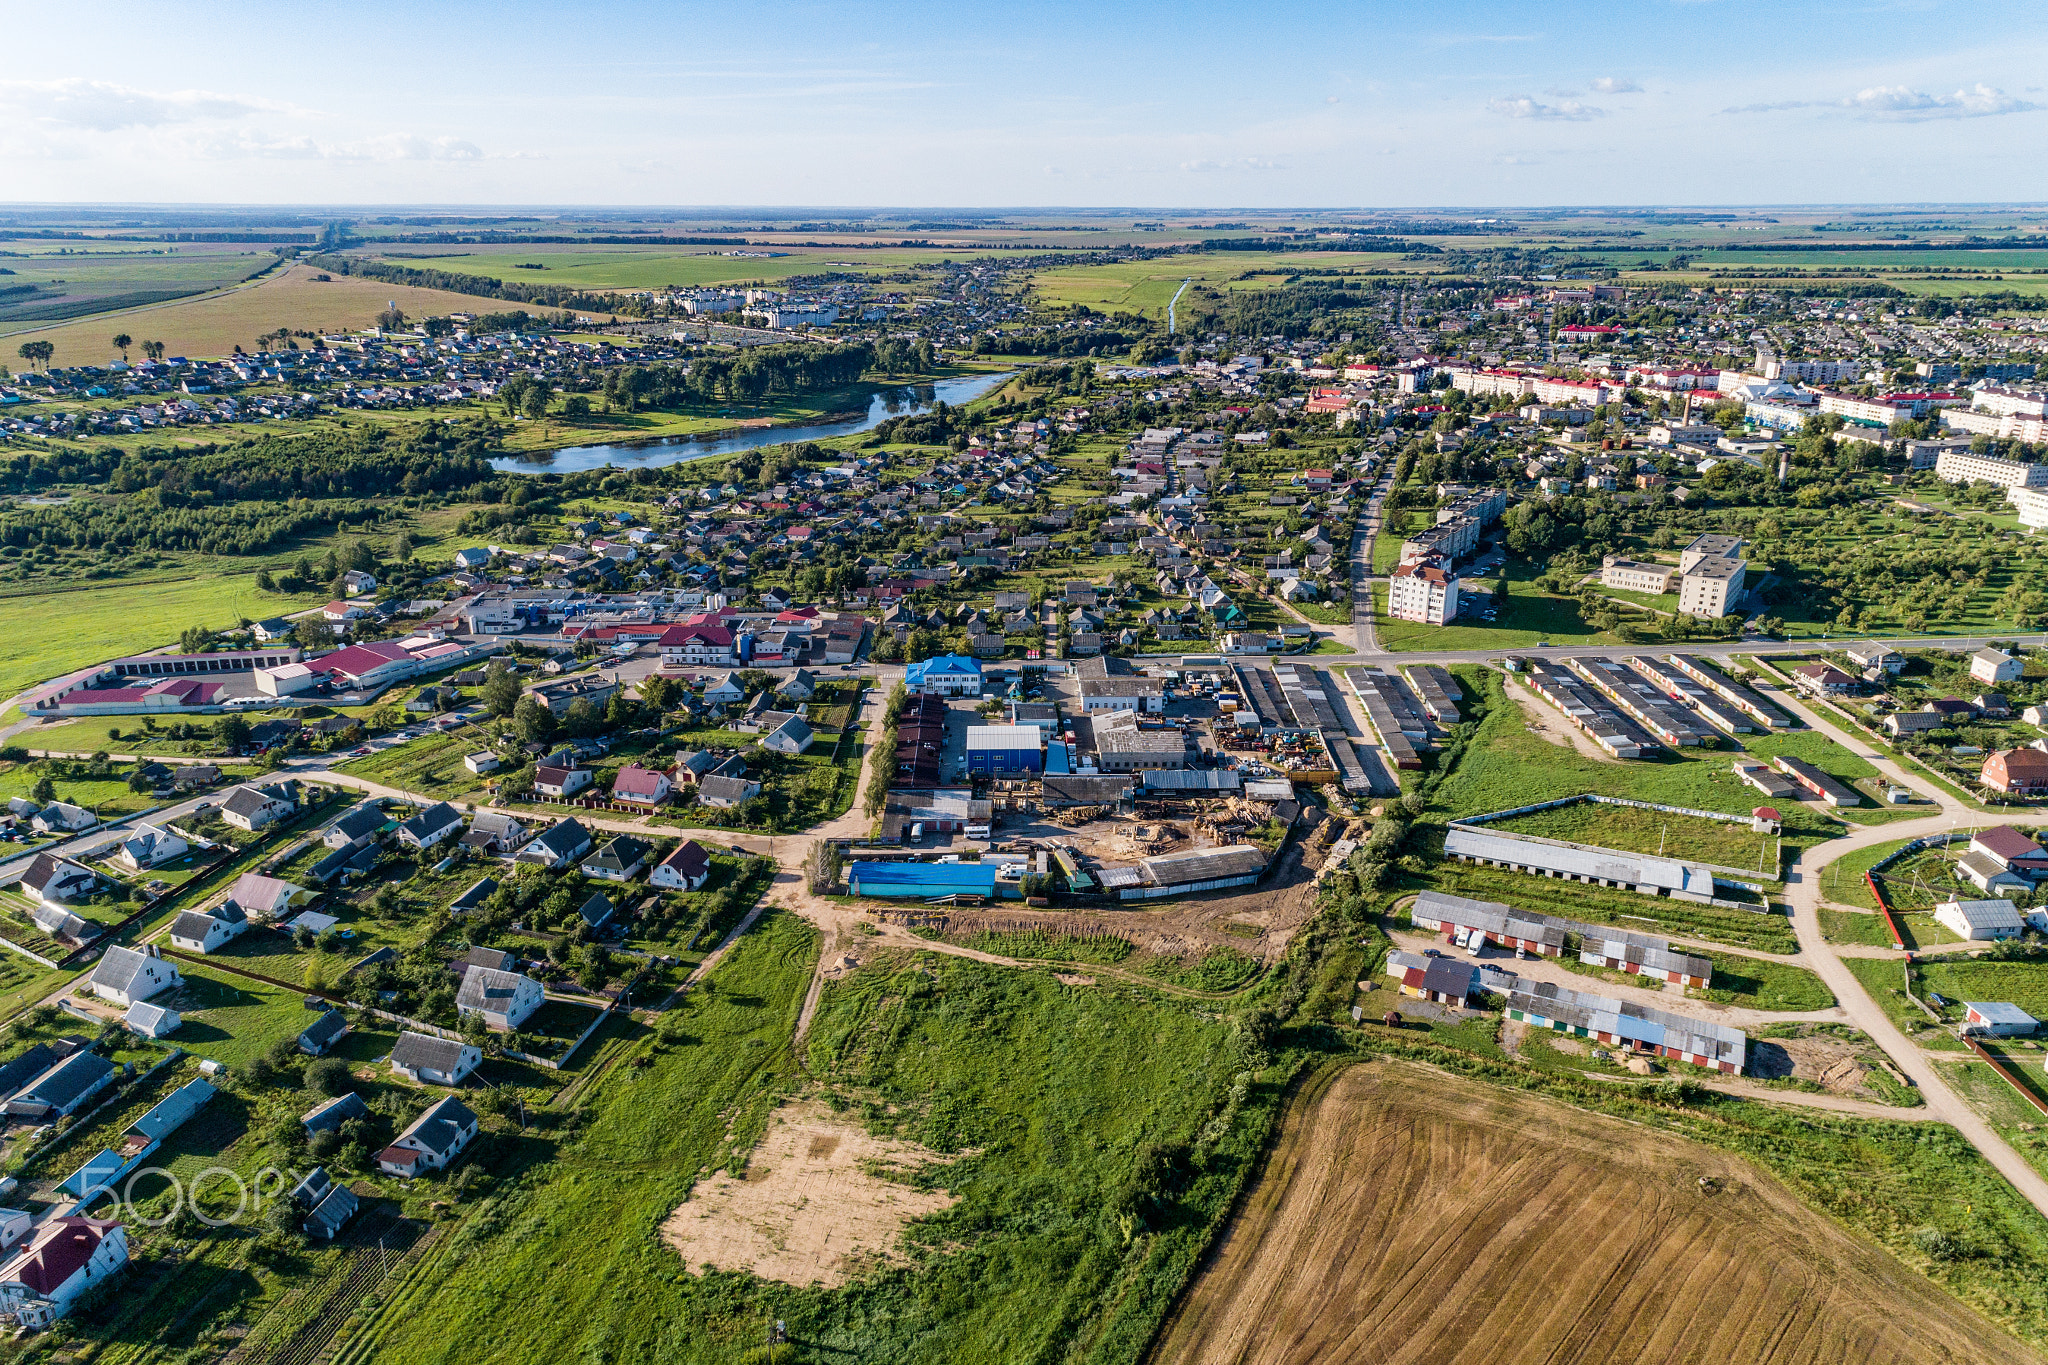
[[1293, 310], [523, 239], [1355, 242], [242, 499], [481, 286], [1051, 342], [752, 375]]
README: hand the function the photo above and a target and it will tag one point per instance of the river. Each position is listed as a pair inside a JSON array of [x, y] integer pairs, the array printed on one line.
[[895, 401]]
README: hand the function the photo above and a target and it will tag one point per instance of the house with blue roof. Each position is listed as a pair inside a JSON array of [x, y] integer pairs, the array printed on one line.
[[946, 675]]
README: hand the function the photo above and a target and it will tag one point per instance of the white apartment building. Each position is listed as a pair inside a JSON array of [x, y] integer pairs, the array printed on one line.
[[2002, 425], [2001, 401], [1810, 371], [1711, 587], [2031, 504], [1709, 547], [1632, 575], [1423, 590], [1877, 411], [1960, 466]]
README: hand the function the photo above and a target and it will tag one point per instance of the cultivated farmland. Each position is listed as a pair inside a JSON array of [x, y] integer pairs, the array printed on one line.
[[214, 325], [1548, 1234]]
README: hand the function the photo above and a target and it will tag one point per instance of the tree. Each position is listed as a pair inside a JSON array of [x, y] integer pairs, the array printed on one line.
[[577, 408], [122, 341], [391, 319], [534, 402], [195, 639], [154, 350], [501, 690], [536, 723], [265, 582], [44, 790], [327, 1076], [401, 549], [657, 693], [231, 732], [37, 352], [582, 719], [313, 634]]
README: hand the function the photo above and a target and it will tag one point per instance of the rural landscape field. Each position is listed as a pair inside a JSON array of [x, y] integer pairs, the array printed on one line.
[[711, 686]]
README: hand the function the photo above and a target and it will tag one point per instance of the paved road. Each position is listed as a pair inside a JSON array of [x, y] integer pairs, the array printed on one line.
[[1361, 562]]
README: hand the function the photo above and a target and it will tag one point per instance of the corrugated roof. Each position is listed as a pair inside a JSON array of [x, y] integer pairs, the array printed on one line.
[[1636, 869], [1203, 864], [922, 879]]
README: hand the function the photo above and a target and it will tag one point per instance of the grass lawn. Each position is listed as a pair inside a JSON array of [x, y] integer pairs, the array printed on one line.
[[430, 765], [1752, 983], [53, 633], [1957, 979], [231, 1019], [1529, 615], [1884, 980], [1649, 831]]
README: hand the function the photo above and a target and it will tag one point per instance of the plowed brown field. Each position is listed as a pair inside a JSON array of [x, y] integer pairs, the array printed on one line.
[[1409, 1218]]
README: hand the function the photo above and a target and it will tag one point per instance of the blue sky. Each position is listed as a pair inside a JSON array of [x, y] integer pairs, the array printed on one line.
[[967, 105]]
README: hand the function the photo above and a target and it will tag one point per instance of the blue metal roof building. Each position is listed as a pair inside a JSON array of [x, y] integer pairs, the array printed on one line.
[[921, 881], [945, 675]]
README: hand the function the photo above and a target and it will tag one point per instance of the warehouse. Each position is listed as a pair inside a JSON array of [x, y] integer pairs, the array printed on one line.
[[1817, 782], [1621, 1024], [1084, 789], [1004, 750], [1641, 955], [1202, 869], [1133, 750], [1123, 694], [1457, 918], [921, 881], [1652, 876]]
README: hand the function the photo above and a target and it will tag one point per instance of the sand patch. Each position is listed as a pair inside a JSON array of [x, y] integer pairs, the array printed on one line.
[[1073, 979], [808, 1210]]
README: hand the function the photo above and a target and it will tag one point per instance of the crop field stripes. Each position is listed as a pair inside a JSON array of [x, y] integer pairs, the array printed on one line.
[[380, 1246]]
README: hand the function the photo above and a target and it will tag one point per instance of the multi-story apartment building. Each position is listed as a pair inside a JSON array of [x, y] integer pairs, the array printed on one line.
[[1960, 466], [1423, 590]]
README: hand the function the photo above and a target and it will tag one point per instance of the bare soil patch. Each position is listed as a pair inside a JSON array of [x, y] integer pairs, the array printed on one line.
[[814, 1206], [1407, 1217], [1546, 723]]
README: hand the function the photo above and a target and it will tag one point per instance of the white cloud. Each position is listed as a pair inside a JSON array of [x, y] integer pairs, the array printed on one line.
[[1567, 111], [1903, 104], [1243, 163], [103, 107], [1616, 85]]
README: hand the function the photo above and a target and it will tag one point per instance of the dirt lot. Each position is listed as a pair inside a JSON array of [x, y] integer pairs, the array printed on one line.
[[1256, 920], [1842, 1066], [1409, 1217], [1547, 722], [808, 1210]]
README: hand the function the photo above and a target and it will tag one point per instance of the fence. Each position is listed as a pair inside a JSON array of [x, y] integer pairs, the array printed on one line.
[[2005, 1073]]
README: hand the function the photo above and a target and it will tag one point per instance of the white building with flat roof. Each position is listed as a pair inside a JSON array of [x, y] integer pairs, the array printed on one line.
[[1960, 466]]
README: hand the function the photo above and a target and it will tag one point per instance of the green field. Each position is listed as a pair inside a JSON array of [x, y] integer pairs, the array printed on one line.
[[1038, 1095], [97, 278], [1146, 287], [631, 267], [1751, 983], [1648, 831], [52, 633], [1529, 616]]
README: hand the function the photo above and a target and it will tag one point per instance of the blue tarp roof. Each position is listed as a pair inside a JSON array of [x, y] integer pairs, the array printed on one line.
[[923, 879]]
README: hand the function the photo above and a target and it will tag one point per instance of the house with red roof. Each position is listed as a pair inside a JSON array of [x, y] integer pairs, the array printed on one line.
[[641, 786], [65, 1257]]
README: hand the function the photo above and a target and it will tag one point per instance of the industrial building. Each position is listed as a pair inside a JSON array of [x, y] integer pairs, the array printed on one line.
[[1726, 688], [1183, 874], [922, 881], [1469, 923], [1638, 1028], [1652, 876], [1005, 750]]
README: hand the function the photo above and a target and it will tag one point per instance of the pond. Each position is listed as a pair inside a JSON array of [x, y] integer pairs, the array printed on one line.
[[895, 401]]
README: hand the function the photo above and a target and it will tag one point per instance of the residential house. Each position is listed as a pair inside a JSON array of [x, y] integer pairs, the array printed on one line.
[[357, 827], [503, 1000], [686, 868], [325, 1204], [619, 860], [64, 1258], [63, 1087], [125, 975], [1822, 680], [724, 690], [432, 1140], [2017, 772], [151, 1021], [947, 675], [479, 891], [494, 832], [433, 1061], [1980, 920], [641, 786], [267, 898], [801, 685], [61, 817], [253, 808], [558, 782], [204, 931], [430, 826], [331, 1114], [1995, 667], [723, 793], [558, 846], [149, 846], [2012, 851], [323, 1033], [791, 737], [51, 878]]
